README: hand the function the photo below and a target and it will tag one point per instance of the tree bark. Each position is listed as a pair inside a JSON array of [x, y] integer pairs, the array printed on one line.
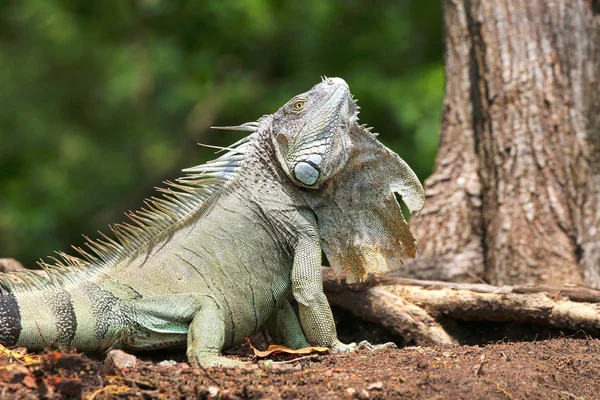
[[515, 196]]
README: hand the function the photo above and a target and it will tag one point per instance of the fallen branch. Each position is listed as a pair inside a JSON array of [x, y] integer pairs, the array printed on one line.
[[411, 307]]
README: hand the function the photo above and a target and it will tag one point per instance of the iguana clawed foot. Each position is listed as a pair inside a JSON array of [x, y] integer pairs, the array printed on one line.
[[339, 347], [214, 361]]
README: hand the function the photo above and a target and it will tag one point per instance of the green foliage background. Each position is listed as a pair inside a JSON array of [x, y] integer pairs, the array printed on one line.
[[102, 100]]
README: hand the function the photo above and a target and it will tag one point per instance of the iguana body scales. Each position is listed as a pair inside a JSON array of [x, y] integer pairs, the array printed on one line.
[[220, 255]]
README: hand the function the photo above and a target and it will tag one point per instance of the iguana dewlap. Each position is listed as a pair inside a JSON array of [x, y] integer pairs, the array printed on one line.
[[216, 258]]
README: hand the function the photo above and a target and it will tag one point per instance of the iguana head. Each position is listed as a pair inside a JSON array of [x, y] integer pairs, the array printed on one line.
[[310, 132], [349, 179]]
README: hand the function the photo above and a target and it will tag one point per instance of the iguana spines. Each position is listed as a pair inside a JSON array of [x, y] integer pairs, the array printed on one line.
[[179, 200]]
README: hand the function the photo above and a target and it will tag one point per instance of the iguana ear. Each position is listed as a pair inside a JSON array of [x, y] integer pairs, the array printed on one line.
[[360, 222]]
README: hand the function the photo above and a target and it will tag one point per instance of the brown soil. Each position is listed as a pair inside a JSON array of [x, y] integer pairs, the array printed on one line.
[[559, 368]]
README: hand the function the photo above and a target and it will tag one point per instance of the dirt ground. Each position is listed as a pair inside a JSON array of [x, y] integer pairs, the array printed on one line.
[[497, 361], [560, 368]]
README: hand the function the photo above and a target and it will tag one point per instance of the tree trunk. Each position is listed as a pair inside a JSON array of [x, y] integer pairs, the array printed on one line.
[[515, 196]]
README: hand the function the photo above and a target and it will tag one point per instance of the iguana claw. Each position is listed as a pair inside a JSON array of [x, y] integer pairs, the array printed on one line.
[[214, 361], [339, 347], [220, 362]]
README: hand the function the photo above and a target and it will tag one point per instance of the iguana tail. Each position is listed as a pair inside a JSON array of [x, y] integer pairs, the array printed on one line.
[[52, 317]]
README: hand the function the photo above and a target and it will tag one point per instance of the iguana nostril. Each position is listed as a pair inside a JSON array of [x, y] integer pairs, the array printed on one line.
[[306, 173]]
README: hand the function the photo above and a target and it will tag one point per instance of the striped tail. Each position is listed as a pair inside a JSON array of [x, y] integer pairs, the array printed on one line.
[[10, 319], [37, 319], [86, 317]]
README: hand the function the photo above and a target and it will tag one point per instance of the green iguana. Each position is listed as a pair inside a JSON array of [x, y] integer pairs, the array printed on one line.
[[217, 256]]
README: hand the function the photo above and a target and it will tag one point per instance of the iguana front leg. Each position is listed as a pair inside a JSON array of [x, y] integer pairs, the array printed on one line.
[[307, 287]]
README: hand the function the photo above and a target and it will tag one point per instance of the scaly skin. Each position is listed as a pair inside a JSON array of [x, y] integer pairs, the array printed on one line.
[[219, 258]]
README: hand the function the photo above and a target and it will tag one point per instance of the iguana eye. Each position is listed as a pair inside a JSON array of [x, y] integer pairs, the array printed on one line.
[[299, 105]]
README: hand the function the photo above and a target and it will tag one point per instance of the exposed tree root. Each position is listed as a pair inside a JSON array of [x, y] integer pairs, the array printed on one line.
[[410, 308]]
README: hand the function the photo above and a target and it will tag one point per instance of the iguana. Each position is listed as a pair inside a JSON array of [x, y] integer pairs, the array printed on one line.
[[216, 258]]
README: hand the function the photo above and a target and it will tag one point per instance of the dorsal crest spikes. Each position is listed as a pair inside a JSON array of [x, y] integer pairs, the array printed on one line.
[[179, 200]]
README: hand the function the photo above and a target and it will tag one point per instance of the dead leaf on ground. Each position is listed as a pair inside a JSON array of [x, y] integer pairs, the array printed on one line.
[[25, 358], [275, 349]]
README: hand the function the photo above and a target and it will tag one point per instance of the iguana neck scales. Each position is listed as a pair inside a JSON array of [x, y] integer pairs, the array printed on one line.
[[216, 257]]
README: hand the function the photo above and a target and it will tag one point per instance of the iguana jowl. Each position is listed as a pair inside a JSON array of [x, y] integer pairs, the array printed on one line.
[[215, 259]]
